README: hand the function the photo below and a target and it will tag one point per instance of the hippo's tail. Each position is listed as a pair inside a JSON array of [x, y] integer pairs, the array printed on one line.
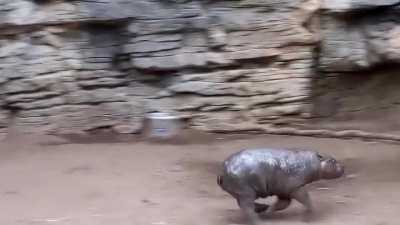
[[219, 180]]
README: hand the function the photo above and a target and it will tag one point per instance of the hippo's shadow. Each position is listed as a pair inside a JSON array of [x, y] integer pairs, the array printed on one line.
[[295, 213]]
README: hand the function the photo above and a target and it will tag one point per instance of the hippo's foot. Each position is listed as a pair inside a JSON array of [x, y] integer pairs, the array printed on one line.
[[279, 205], [248, 207], [303, 197], [308, 216], [260, 208]]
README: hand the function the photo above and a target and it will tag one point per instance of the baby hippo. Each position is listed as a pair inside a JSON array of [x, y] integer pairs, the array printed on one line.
[[259, 173]]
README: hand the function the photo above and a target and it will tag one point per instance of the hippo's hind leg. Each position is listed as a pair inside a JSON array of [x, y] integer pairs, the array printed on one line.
[[248, 207], [245, 198], [281, 204], [302, 196]]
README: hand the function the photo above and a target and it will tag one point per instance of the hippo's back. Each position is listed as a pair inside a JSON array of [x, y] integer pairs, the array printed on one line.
[[280, 159]]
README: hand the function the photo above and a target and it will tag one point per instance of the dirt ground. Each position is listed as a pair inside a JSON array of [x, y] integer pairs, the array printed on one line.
[[47, 181]]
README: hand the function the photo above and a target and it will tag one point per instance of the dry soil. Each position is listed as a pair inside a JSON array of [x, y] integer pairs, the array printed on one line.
[[49, 181]]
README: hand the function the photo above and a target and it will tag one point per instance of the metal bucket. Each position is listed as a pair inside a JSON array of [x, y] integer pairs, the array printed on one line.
[[163, 126]]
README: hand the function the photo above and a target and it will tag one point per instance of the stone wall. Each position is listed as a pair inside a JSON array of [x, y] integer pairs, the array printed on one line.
[[76, 66]]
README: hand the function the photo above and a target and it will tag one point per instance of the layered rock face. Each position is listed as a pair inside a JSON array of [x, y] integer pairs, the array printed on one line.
[[359, 35], [72, 66], [76, 66], [359, 57]]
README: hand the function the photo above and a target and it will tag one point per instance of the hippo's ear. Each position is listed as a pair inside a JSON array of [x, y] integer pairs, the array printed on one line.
[[323, 156]]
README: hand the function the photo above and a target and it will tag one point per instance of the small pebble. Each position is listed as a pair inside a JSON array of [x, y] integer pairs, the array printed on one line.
[[97, 215], [352, 176], [340, 202], [56, 220], [323, 188], [147, 201], [176, 169], [348, 196], [159, 223]]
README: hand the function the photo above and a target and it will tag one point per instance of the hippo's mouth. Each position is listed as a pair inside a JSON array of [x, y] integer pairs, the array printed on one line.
[[340, 170]]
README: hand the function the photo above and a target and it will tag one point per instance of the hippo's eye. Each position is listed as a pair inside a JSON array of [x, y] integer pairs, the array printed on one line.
[[333, 161], [319, 156]]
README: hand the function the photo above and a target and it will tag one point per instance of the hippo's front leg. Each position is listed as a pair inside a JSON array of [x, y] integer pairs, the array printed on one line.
[[302, 196], [260, 208], [248, 207]]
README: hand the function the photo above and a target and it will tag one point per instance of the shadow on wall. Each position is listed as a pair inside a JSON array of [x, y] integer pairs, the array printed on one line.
[[368, 100]]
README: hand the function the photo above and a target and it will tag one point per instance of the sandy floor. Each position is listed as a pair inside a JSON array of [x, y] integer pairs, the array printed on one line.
[[137, 183]]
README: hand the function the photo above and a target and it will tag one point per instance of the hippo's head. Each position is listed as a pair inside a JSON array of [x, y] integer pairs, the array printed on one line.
[[330, 168]]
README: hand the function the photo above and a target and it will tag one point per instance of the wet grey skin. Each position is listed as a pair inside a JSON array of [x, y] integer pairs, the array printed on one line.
[[259, 173]]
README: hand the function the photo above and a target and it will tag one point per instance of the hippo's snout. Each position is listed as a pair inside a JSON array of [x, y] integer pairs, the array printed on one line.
[[331, 169], [339, 170]]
